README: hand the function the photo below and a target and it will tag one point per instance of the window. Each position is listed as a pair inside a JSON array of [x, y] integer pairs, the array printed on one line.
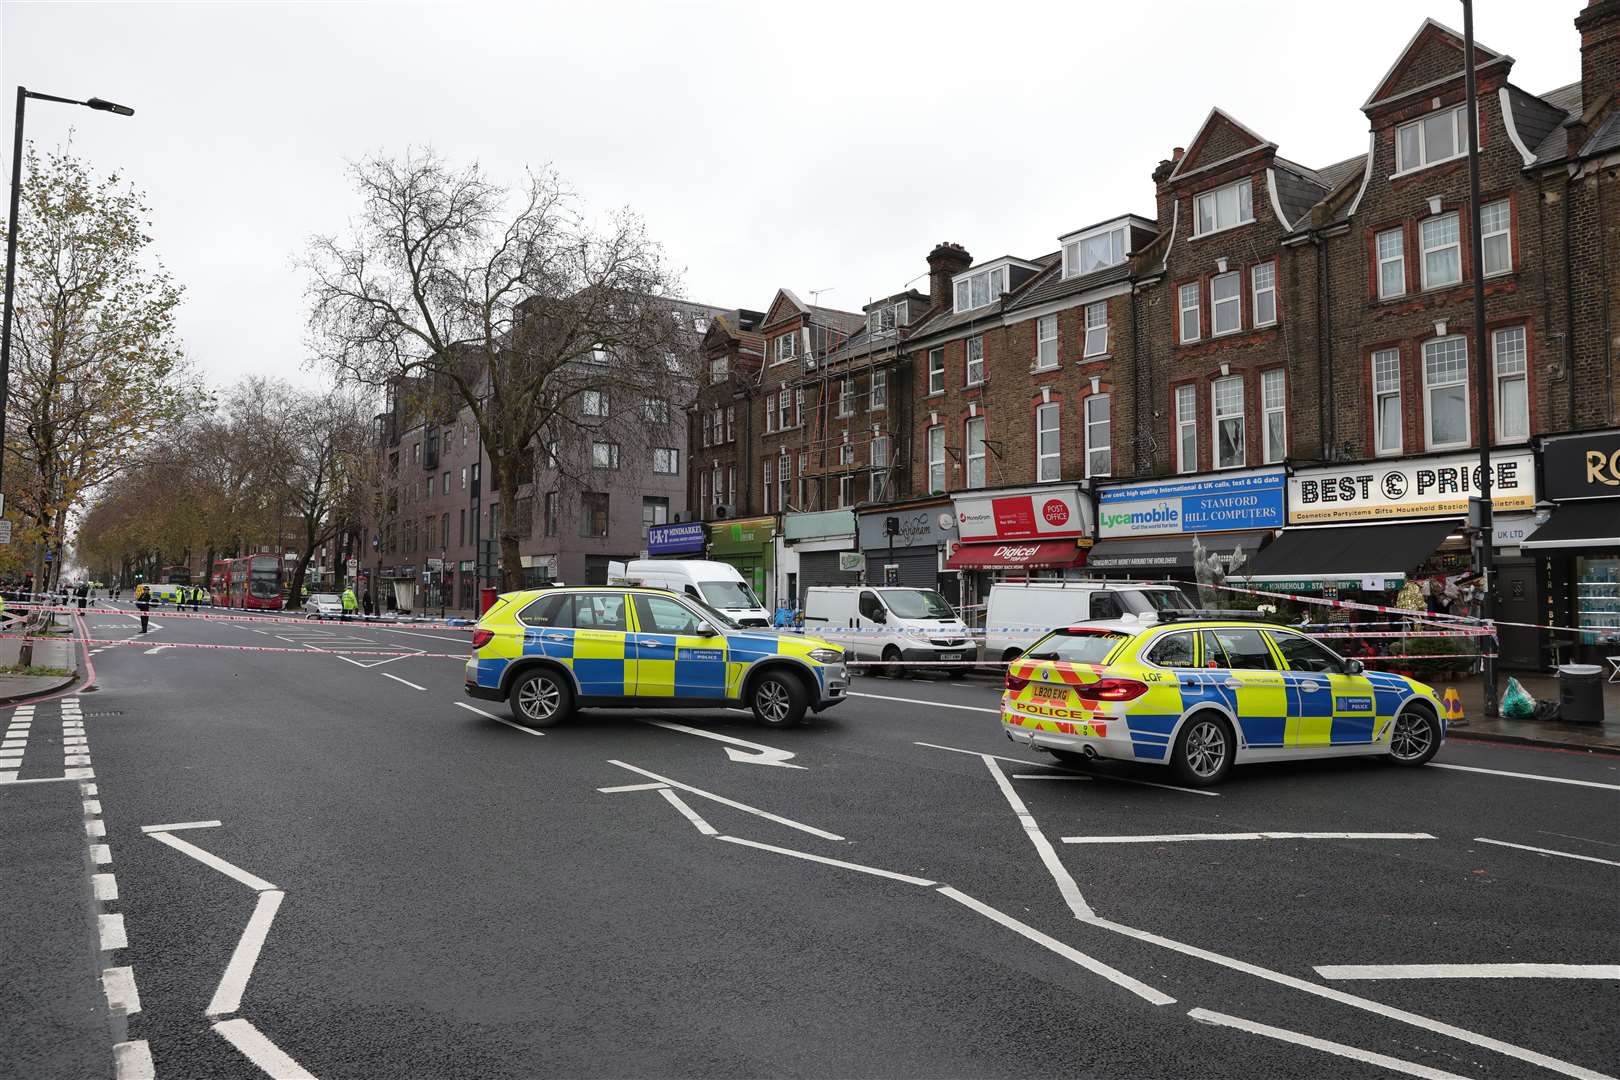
[[1512, 387], [700, 323], [416, 453], [654, 511], [1188, 299], [655, 410], [975, 452], [666, 461], [593, 403], [1263, 288], [706, 496], [731, 483], [798, 407], [548, 513], [1103, 605], [846, 454], [936, 458], [1226, 402], [978, 289], [936, 371], [708, 427], [880, 390], [784, 480], [880, 467], [1099, 436], [770, 413], [1442, 251], [604, 455], [593, 518], [1087, 253], [846, 491], [444, 485], [1391, 263], [1495, 238], [880, 319], [1186, 429], [1078, 645], [787, 347], [1096, 329], [1046, 342], [461, 527], [464, 478], [599, 611], [1224, 207], [664, 615], [731, 423], [1173, 651], [550, 450], [770, 484], [1226, 303], [1273, 415], [444, 530], [975, 360], [1445, 389], [1048, 443], [1436, 137], [1303, 654], [1243, 649], [804, 480], [1386, 387], [846, 397], [785, 420]]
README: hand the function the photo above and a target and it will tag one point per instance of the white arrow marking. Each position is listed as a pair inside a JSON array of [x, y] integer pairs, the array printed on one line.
[[762, 755], [157, 649]]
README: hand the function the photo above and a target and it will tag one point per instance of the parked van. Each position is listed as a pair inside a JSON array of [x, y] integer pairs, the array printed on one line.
[[879, 623], [1020, 613], [717, 584]]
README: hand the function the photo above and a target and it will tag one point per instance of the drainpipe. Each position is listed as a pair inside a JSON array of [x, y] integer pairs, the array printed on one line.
[[1571, 186], [1324, 337]]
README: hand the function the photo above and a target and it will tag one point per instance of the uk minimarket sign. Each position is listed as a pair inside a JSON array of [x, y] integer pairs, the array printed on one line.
[[1247, 500]]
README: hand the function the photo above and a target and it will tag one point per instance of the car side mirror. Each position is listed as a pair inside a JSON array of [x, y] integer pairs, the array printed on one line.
[[705, 630], [1353, 667], [880, 616]]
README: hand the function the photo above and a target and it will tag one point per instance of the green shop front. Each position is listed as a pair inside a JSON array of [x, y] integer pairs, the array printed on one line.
[[749, 545]]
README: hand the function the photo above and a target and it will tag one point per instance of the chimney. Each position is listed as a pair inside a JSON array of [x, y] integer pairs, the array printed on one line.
[[1599, 25], [1161, 189], [945, 262]]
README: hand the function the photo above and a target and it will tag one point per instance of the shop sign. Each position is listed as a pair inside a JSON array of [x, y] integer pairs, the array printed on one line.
[[1582, 466], [1511, 530], [851, 562], [676, 539], [1023, 514], [1420, 487], [1252, 500], [819, 525], [1364, 582], [918, 528], [742, 535]]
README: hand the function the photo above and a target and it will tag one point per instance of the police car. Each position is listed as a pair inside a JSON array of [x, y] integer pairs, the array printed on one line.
[[1203, 694], [547, 651]]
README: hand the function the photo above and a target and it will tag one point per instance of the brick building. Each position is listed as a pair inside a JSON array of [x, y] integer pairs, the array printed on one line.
[[721, 424]]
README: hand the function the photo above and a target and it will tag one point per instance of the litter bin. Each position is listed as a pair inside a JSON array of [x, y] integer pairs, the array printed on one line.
[[1580, 694], [486, 600]]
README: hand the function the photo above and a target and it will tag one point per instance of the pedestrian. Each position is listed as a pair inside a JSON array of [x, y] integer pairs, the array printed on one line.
[[143, 603], [83, 593], [196, 597], [365, 602], [349, 603]]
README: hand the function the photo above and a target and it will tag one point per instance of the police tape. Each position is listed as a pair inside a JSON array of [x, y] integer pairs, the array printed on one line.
[[1410, 613], [226, 616], [153, 643]]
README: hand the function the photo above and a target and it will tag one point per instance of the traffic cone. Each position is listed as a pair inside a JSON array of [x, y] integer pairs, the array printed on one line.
[[1452, 702]]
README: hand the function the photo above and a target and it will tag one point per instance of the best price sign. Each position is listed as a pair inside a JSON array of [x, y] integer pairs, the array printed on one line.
[[1023, 514]]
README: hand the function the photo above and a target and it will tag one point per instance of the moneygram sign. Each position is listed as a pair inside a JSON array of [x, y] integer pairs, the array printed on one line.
[[1023, 514], [1419, 487], [1250, 500]]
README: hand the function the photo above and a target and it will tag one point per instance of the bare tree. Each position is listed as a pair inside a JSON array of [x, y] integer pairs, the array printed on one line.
[[454, 291]]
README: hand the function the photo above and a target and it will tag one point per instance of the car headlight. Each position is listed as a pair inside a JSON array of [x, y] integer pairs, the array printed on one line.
[[827, 656]]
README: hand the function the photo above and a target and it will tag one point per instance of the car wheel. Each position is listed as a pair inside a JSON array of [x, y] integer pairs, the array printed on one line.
[[1416, 737], [778, 699], [541, 698], [891, 657], [1204, 749], [957, 672]]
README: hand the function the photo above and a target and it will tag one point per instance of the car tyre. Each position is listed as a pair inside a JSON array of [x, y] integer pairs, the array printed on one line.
[[541, 698], [1204, 750], [1415, 738], [891, 657], [956, 673], [778, 698]]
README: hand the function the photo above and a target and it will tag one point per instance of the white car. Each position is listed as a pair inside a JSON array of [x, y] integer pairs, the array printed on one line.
[[1020, 613], [890, 624], [322, 605]]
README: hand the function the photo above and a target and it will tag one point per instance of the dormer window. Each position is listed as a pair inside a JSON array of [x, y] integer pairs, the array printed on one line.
[[1224, 208], [787, 347], [886, 318], [976, 289], [1434, 138], [1094, 251]]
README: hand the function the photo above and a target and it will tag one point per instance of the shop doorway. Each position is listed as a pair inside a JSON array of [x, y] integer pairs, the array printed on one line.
[[1516, 588]]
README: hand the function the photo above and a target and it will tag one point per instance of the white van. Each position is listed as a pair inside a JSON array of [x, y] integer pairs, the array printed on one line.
[[717, 584], [881, 623], [1021, 612]]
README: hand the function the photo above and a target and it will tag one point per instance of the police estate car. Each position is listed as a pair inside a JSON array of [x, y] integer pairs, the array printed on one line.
[[1202, 695], [547, 651]]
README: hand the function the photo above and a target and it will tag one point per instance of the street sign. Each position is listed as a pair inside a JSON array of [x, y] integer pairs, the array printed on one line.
[[5, 531]]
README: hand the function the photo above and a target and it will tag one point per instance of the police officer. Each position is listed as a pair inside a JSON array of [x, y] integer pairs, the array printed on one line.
[[350, 604], [143, 603]]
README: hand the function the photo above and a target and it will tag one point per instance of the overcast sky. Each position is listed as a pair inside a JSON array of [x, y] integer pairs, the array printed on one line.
[[823, 146]]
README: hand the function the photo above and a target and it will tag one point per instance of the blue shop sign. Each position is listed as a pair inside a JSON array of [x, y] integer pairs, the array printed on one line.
[[1247, 500], [683, 538]]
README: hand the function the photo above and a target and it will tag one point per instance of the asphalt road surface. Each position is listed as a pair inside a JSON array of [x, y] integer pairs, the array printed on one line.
[[360, 876]]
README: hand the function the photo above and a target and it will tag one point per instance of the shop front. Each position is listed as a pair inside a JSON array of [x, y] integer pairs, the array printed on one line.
[[749, 545], [817, 548], [1025, 532], [680, 540], [1194, 528], [912, 551], [1577, 551]]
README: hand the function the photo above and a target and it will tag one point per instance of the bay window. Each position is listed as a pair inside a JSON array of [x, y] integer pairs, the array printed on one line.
[[1226, 406], [975, 452], [1442, 251], [1188, 298], [1445, 392], [1512, 384], [1048, 444], [1096, 329], [1099, 436], [1187, 429], [1273, 415], [1226, 304], [1386, 390], [1391, 263]]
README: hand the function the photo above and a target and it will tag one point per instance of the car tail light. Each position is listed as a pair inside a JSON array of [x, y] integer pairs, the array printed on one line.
[[482, 638], [1112, 690], [1015, 683]]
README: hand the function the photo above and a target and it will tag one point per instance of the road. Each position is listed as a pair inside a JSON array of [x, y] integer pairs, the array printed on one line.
[[361, 877]]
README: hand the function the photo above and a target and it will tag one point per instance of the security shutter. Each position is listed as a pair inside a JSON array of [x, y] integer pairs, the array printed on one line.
[[919, 567], [821, 568]]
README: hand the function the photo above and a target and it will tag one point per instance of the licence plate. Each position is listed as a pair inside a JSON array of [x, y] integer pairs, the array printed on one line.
[[950, 656]]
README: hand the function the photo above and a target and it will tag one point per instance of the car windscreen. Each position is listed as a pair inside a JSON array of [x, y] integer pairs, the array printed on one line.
[[324, 598], [1147, 601], [917, 604], [728, 594], [1076, 646]]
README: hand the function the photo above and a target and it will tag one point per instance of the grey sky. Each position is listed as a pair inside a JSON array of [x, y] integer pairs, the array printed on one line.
[[767, 144]]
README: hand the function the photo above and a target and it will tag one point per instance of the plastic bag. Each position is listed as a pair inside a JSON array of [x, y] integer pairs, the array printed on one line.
[[1516, 703]]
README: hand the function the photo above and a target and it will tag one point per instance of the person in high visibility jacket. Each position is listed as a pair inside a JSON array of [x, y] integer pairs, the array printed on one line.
[[350, 604], [143, 603]]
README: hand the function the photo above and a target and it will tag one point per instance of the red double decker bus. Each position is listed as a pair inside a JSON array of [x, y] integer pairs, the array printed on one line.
[[252, 581]]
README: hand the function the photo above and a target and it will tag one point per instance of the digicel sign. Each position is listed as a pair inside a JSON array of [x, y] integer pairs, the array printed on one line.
[[1023, 515]]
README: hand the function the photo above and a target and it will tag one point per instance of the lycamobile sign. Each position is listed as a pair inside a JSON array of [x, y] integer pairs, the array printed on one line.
[[1245, 500]]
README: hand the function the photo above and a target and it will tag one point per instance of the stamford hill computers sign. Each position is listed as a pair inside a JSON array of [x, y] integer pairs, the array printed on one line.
[[1415, 487]]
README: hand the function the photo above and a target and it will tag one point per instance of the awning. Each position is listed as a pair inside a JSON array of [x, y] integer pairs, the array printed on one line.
[[1579, 524], [1032, 555], [1350, 551], [1164, 553]]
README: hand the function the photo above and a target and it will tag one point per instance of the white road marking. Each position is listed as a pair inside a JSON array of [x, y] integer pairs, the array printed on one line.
[[256, 630], [1048, 776], [687, 812], [87, 789], [467, 641], [261, 1051], [209, 859], [156, 649], [1376, 1007], [180, 825], [1170, 838], [1546, 851], [497, 719], [1370, 1057], [397, 679], [631, 787], [75, 759], [101, 854], [762, 755], [92, 806], [1469, 971], [1074, 956], [920, 701], [1043, 847], [118, 983], [132, 1060], [95, 827], [858, 867], [228, 995], [110, 929], [734, 804], [1526, 776], [1028, 764], [8, 777], [105, 886], [75, 774]]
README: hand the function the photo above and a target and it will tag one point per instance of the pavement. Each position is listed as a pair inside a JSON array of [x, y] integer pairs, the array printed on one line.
[[1601, 738], [328, 865], [57, 652]]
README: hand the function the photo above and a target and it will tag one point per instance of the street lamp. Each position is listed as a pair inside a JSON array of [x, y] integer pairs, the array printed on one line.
[[23, 94]]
